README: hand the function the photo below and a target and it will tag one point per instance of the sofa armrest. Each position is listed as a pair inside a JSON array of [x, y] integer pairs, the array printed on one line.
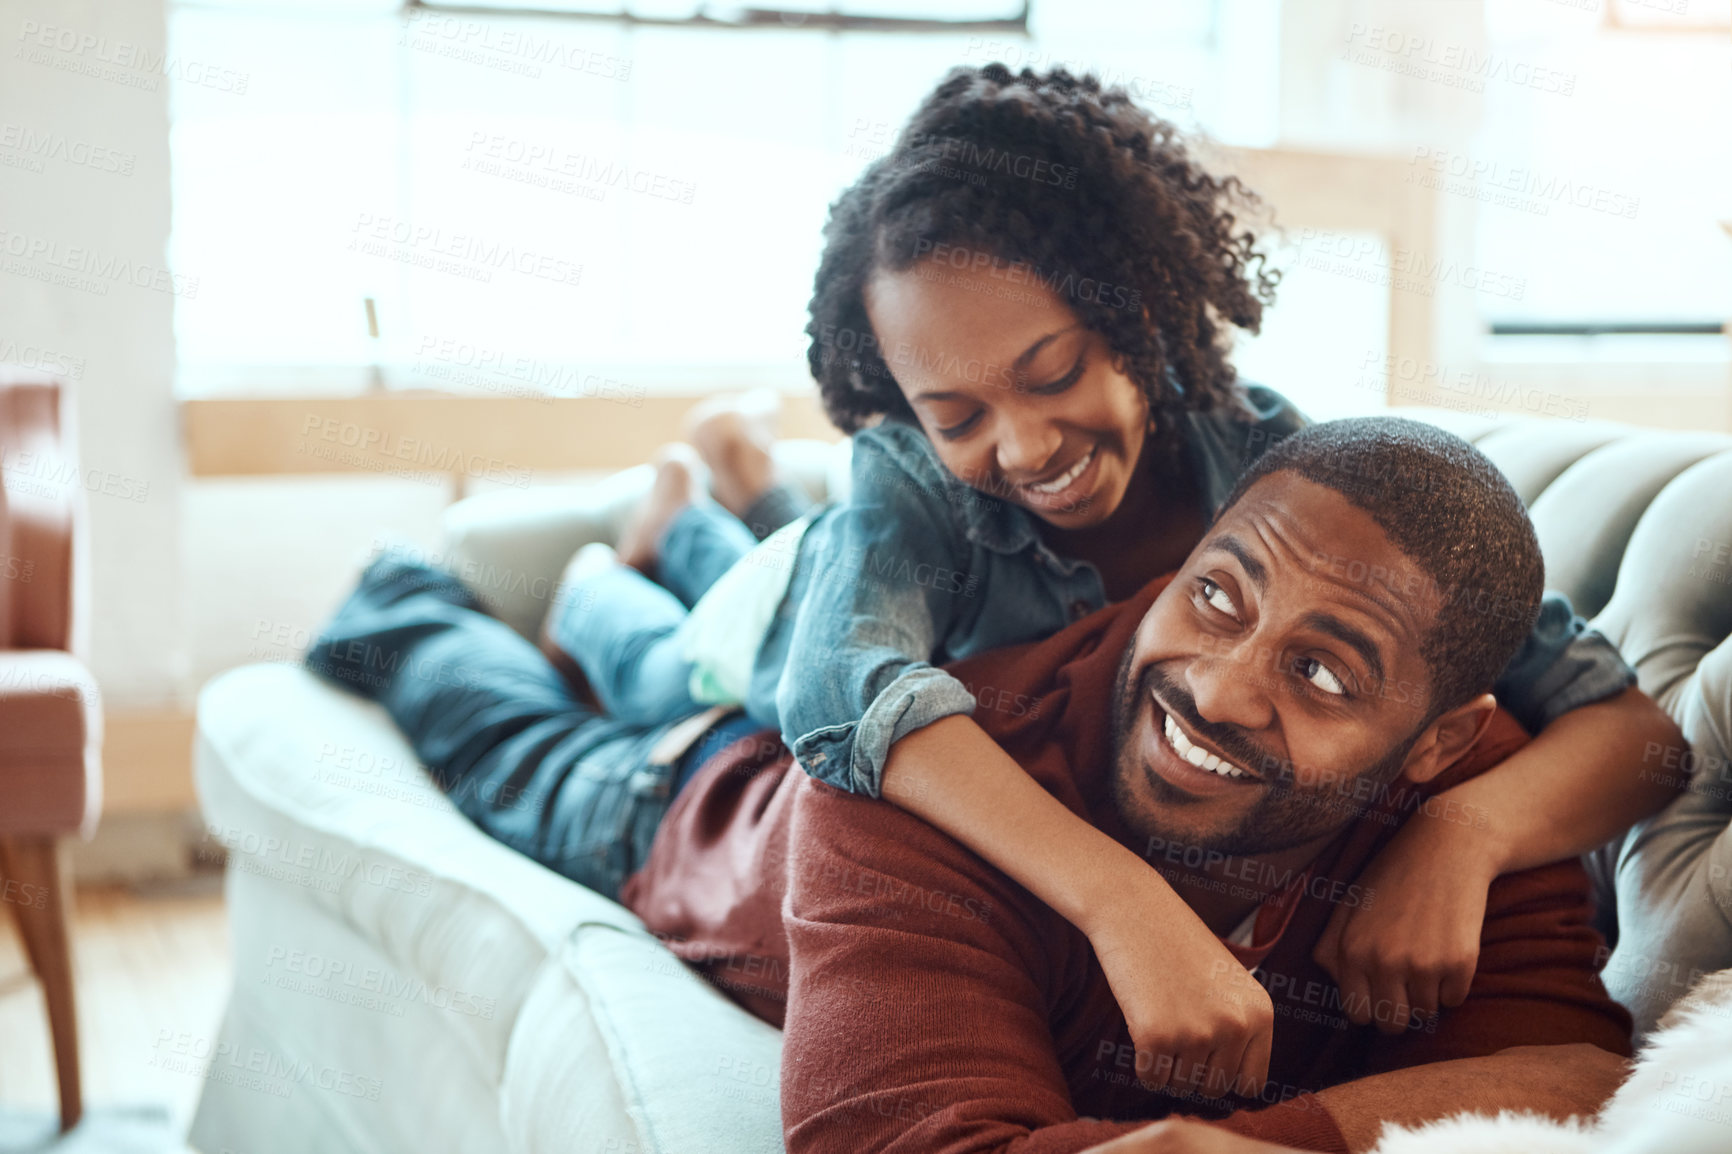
[[50, 743], [510, 547]]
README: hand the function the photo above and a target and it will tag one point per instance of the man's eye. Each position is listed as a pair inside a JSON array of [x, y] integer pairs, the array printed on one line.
[[1218, 599], [1318, 674]]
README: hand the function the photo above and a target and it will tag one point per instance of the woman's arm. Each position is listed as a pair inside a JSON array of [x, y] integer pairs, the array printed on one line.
[[1588, 776], [1205, 1026], [880, 585]]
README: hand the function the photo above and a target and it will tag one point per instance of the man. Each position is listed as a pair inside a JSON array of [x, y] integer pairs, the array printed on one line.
[[1257, 725]]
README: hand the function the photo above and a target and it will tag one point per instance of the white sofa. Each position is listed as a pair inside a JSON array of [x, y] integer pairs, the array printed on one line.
[[402, 983]]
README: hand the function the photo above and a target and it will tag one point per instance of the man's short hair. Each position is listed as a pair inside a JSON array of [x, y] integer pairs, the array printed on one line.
[[1450, 510]]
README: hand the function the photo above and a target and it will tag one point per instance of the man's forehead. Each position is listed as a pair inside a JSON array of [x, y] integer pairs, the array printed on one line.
[[1286, 523]]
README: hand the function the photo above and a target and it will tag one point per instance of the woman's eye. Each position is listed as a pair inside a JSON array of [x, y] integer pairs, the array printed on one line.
[[1319, 675], [951, 432], [1218, 599], [1063, 383]]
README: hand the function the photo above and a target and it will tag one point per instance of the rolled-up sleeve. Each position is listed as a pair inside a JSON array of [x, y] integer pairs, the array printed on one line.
[[883, 579], [1563, 665]]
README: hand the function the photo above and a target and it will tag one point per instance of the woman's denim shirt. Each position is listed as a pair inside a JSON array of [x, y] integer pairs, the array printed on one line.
[[916, 569]]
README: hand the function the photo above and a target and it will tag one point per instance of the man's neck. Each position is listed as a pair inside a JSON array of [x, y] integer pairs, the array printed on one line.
[[1224, 890]]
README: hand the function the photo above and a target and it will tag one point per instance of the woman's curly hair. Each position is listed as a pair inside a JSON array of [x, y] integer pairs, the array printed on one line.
[[1080, 187]]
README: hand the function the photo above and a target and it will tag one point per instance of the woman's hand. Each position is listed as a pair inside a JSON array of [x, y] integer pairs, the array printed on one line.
[[1413, 946], [1199, 1021]]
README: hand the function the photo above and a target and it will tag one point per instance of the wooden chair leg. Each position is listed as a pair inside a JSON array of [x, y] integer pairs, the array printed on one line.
[[41, 900]]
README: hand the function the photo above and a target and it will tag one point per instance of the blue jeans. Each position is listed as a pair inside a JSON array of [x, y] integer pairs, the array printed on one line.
[[700, 544], [497, 725], [622, 628]]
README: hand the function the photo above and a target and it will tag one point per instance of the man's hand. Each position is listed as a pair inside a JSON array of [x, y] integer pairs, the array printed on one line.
[[1415, 945], [1200, 1022], [1178, 1136]]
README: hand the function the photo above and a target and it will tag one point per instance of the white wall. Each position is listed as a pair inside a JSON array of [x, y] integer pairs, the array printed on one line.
[[68, 116], [1346, 84]]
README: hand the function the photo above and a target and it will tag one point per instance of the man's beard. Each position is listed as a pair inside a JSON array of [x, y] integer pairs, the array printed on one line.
[[1286, 814]]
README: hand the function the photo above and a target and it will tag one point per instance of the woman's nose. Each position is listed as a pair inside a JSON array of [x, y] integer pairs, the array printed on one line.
[[1027, 447]]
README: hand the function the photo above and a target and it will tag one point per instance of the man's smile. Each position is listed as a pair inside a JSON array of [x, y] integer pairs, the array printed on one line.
[[1186, 762], [1198, 756]]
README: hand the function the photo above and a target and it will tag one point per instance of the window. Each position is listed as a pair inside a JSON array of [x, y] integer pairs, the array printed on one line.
[[536, 200], [1604, 192]]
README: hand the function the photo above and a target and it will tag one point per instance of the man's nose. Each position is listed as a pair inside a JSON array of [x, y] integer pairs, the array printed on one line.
[[1026, 446], [1230, 687]]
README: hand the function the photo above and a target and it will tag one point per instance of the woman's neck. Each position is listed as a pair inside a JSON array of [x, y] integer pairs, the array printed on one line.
[[1150, 534]]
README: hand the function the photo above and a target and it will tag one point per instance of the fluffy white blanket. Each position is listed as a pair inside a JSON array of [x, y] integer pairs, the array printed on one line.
[[1677, 1099]]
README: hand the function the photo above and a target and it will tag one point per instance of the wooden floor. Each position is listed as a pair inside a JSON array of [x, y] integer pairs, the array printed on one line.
[[146, 962]]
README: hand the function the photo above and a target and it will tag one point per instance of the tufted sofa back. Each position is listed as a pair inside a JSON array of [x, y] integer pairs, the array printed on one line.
[[1636, 527]]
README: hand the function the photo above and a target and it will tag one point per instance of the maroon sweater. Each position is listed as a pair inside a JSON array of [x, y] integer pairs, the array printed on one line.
[[932, 1004]]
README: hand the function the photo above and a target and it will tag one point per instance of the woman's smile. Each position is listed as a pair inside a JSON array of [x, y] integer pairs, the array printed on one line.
[[1068, 491]]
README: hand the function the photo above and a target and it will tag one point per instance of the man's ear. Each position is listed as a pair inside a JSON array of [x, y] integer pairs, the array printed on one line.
[[1448, 738]]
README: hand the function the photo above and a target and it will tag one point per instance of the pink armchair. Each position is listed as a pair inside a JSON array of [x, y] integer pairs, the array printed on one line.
[[50, 714]]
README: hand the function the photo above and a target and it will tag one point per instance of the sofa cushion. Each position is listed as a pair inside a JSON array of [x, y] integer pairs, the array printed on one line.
[[592, 1028], [311, 786], [693, 1072], [327, 1046]]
